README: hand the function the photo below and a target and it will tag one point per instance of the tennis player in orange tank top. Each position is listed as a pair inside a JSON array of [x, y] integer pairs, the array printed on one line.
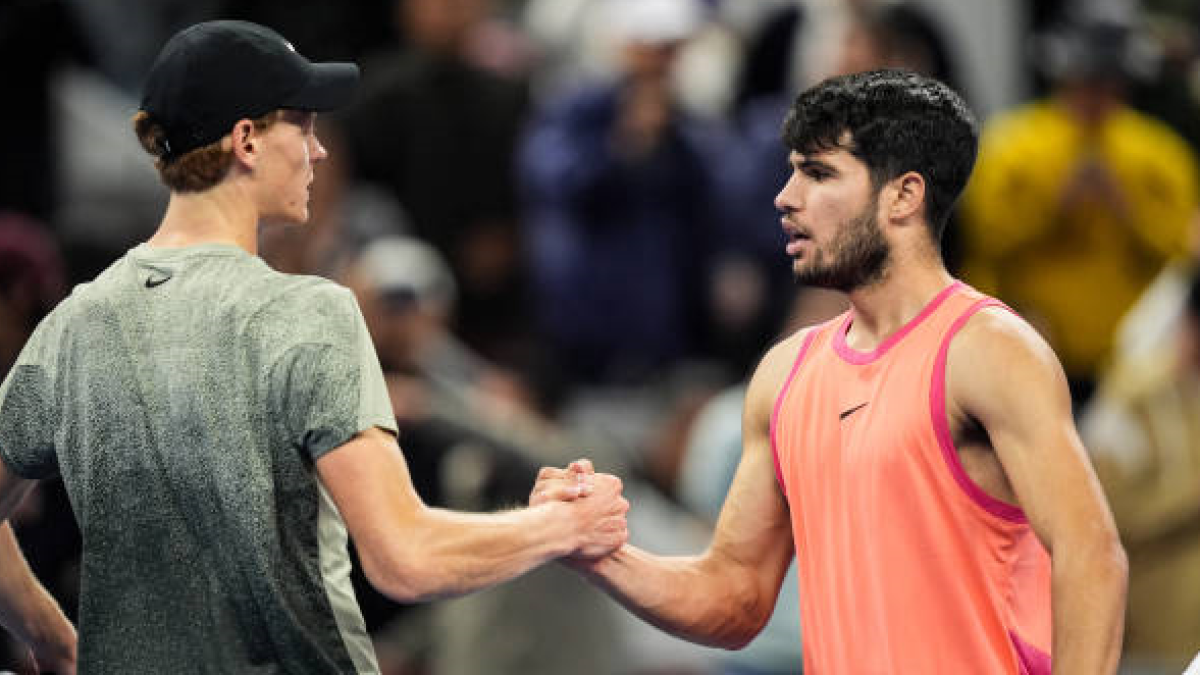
[[917, 454]]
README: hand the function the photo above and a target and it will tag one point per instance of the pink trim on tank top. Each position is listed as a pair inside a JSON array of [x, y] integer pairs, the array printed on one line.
[[941, 424], [1032, 660], [779, 403], [852, 355]]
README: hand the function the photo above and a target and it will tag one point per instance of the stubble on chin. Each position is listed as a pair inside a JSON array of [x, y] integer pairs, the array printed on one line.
[[857, 258]]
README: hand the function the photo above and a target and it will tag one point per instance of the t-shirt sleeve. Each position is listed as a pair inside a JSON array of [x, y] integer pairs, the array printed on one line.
[[324, 392], [28, 413]]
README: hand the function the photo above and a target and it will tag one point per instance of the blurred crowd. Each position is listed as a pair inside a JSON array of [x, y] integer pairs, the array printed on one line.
[[557, 216]]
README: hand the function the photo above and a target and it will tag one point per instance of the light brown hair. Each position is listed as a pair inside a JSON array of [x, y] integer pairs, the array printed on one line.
[[196, 170]]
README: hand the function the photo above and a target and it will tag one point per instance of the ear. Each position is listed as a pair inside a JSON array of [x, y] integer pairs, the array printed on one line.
[[907, 193], [244, 142]]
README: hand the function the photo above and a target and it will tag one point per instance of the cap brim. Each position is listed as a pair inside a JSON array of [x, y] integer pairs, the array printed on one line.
[[330, 86]]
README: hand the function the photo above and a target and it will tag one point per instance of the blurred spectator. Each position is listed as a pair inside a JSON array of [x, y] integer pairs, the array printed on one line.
[[1078, 201], [750, 284], [1143, 429], [471, 440], [438, 131], [617, 212]]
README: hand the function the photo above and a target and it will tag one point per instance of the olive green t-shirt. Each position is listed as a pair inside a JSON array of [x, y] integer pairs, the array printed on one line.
[[183, 396]]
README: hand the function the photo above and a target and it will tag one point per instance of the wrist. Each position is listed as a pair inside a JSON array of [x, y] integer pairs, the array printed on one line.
[[594, 568], [555, 522], [51, 636]]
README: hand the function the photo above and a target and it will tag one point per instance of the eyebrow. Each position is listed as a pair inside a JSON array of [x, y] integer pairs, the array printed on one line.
[[810, 163]]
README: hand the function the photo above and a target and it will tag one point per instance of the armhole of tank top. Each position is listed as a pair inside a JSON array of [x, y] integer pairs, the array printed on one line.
[[808, 340], [941, 423], [1030, 659]]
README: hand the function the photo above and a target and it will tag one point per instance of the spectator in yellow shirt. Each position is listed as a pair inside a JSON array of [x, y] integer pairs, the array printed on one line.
[[1078, 201]]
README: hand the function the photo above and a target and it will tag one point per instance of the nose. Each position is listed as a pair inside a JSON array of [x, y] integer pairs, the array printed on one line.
[[789, 198], [316, 151]]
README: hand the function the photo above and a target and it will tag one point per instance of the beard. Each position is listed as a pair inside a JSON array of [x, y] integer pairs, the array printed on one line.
[[857, 256]]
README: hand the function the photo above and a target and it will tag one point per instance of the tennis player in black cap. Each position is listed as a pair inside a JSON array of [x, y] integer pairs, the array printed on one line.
[[219, 425]]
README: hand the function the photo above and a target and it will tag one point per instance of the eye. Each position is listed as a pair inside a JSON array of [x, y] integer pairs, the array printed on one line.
[[815, 173]]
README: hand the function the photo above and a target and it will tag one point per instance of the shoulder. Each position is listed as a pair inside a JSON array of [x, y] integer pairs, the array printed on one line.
[[773, 371], [296, 309], [301, 291], [321, 296], [70, 311], [998, 362], [1148, 128], [996, 332], [1151, 140]]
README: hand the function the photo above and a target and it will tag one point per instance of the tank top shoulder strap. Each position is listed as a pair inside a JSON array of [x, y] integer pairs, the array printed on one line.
[[969, 303], [818, 335]]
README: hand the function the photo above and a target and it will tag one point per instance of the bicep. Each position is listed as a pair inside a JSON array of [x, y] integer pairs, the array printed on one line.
[[368, 479], [754, 528], [1015, 387]]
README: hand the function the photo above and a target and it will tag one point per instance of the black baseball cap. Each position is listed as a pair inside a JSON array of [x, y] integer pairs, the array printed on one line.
[[212, 74]]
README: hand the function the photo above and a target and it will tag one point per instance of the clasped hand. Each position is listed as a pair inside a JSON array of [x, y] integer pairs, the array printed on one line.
[[596, 503]]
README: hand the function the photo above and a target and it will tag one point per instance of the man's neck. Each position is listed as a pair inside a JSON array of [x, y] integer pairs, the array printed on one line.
[[221, 214], [885, 307]]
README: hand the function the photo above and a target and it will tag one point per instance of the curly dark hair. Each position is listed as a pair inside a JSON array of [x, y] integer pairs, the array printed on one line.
[[894, 121]]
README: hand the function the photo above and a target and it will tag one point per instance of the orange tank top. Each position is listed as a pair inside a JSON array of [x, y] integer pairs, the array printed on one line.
[[906, 565]]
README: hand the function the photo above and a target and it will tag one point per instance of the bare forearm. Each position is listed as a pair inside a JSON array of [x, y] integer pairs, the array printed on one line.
[[448, 553], [695, 598], [26, 609], [1089, 609]]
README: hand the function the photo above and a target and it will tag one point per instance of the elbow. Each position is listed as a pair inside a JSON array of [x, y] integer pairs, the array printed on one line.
[[1119, 561], [740, 634], [398, 577], [1111, 552], [401, 568], [738, 640], [754, 601], [748, 628]]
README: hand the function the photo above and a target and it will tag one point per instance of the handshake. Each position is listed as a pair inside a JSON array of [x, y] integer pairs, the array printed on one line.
[[591, 503]]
